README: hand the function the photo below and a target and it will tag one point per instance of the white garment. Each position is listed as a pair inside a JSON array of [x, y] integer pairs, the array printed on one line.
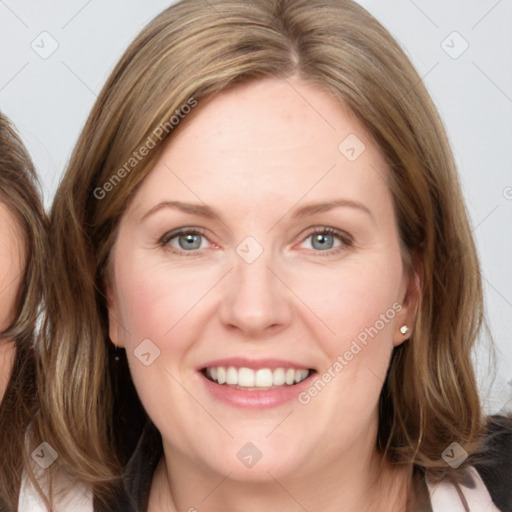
[[443, 495], [445, 498], [77, 498]]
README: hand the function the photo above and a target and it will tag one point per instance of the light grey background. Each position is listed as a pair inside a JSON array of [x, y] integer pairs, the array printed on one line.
[[49, 97]]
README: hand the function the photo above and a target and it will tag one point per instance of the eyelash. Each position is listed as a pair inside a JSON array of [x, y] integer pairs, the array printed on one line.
[[342, 236]]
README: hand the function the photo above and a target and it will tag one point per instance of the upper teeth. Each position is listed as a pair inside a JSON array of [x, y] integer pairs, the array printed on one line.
[[264, 377]]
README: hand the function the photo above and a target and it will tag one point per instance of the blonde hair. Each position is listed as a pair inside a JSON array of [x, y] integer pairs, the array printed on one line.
[[195, 50], [19, 191]]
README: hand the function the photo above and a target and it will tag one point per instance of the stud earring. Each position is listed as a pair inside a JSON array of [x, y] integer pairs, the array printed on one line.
[[404, 329]]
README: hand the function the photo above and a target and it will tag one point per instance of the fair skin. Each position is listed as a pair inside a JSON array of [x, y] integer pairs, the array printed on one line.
[[256, 154], [11, 268]]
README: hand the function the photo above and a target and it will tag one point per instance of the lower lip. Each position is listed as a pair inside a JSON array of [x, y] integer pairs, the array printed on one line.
[[255, 399]]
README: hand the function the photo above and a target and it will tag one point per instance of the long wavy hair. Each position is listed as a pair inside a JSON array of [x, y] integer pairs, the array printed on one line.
[[196, 49], [19, 191]]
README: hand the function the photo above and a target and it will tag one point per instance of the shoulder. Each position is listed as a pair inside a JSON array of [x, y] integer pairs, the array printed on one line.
[[67, 495], [494, 462], [461, 496], [484, 484]]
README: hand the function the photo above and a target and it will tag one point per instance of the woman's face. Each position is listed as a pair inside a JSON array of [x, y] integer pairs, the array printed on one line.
[[11, 270], [288, 267]]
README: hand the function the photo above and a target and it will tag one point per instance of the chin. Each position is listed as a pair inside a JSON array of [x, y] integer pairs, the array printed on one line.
[[258, 461]]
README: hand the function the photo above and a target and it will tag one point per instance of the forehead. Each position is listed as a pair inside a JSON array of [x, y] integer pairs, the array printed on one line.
[[268, 140]]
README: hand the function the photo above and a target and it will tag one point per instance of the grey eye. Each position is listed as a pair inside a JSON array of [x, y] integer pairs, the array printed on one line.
[[322, 241], [327, 240], [189, 241]]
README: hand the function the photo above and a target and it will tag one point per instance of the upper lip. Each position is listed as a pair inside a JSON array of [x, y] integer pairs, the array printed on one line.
[[255, 364]]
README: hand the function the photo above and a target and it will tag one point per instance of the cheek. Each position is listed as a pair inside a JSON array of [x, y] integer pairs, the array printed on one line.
[[356, 300], [359, 305], [156, 301], [154, 304]]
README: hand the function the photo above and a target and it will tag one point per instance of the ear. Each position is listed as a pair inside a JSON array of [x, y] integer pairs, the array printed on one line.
[[411, 293], [115, 331]]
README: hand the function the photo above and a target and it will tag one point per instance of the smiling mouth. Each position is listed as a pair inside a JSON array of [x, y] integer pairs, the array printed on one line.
[[262, 379]]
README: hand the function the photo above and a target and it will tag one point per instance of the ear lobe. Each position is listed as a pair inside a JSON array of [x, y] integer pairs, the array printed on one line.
[[406, 319]]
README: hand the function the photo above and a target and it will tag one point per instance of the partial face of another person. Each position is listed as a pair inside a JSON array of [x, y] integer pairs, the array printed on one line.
[[262, 250], [11, 273]]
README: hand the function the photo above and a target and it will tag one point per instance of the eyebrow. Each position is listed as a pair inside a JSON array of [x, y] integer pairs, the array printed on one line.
[[309, 209], [194, 209]]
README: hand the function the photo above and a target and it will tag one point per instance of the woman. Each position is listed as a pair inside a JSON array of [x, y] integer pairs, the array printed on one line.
[[262, 228], [22, 259]]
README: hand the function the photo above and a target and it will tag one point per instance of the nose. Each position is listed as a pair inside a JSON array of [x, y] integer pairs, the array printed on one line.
[[256, 302]]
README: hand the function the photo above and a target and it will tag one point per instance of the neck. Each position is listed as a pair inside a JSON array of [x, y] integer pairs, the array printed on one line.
[[346, 485]]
